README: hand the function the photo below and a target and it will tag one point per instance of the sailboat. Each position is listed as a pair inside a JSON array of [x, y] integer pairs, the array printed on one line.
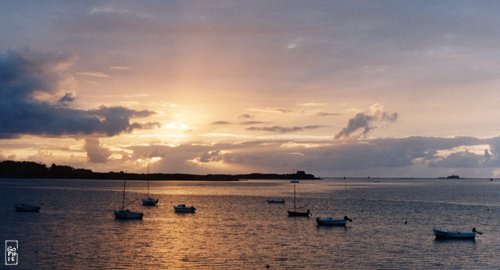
[[149, 201], [123, 213], [296, 213]]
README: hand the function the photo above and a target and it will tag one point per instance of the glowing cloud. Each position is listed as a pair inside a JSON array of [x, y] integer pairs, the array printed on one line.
[[96, 153]]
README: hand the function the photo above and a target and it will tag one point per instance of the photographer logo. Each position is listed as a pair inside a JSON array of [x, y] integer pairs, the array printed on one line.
[[11, 252]]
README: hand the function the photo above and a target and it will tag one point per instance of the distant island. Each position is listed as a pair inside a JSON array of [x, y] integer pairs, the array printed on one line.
[[29, 169], [453, 176]]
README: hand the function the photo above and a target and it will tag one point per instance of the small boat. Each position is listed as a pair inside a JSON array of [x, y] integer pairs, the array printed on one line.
[[149, 201], [275, 201], [125, 214], [299, 214], [27, 208], [460, 235], [330, 221], [182, 208], [296, 213]]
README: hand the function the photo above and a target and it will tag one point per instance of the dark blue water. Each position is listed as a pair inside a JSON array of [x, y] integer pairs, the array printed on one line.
[[235, 229]]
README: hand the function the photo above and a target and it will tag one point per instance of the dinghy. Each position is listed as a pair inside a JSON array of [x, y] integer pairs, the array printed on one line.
[[275, 201], [182, 208], [330, 221], [460, 235]]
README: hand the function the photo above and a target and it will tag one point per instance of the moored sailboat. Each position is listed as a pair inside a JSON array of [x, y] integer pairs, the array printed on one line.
[[126, 214], [296, 213], [149, 201]]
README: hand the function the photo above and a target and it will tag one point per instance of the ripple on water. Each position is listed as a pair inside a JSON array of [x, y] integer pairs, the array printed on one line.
[[235, 229]]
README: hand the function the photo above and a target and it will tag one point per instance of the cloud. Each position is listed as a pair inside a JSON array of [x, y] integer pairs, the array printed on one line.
[[210, 156], [464, 159], [180, 158], [252, 122], [246, 119], [467, 159], [108, 10], [327, 114], [245, 116], [274, 110], [66, 99], [25, 76], [280, 129], [365, 122], [388, 157], [120, 67], [115, 120], [221, 123], [311, 104], [96, 153], [243, 119], [394, 157], [93, 74]]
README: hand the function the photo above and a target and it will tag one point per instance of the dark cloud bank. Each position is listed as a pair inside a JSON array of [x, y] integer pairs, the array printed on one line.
[[27, 76], [386, 157]]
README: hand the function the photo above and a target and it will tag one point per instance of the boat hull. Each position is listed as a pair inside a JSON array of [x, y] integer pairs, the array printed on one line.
[[275, 201], [299, 214], [458, 235], [27, 208], [127, 215], [184, 209], [331, 222], [149, 202]]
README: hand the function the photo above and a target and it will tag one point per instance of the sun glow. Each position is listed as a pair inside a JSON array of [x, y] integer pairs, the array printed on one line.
[[174, 125], [219, 166]]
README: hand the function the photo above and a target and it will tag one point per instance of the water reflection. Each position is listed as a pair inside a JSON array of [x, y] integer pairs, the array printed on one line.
[[234, 227]]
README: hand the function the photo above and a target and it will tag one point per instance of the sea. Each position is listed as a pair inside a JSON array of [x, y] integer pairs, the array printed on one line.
[[235, 228]]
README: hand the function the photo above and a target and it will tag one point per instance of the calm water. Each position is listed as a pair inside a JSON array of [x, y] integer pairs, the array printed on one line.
[[235, 229]]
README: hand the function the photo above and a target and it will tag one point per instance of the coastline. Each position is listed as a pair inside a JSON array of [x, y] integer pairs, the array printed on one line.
[[28, 169]]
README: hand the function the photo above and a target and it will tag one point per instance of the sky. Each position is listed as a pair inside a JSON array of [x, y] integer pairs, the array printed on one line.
[[335, 88]]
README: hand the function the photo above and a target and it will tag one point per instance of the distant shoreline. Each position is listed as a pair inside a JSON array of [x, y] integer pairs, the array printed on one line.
[[28, 169]]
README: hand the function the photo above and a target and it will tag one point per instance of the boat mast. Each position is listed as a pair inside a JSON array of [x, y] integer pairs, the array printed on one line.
[[148, 180], [294, 193], [123, 195]]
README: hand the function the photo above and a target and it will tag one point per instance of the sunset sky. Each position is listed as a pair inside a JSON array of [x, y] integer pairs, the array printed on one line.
[[335, 88]]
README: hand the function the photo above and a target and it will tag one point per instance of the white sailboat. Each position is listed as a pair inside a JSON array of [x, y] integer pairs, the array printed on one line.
[[126, 214], [149, 201]]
